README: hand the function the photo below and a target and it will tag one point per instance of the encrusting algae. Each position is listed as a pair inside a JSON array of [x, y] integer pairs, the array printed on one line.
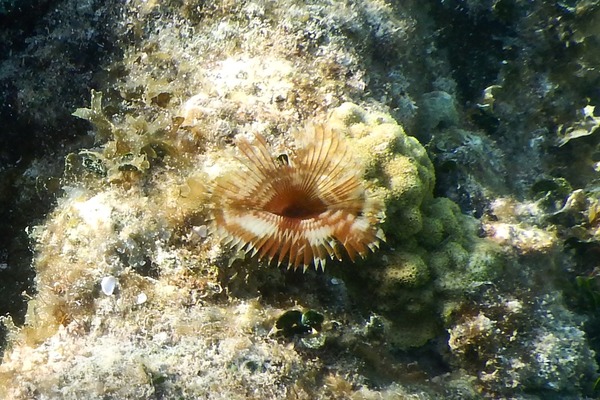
[[303, 207]]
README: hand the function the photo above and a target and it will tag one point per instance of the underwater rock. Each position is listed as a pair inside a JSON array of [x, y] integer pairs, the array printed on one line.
[[449, 307]]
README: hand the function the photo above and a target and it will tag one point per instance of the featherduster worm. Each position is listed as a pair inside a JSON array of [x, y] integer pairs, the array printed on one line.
[[300, 208]]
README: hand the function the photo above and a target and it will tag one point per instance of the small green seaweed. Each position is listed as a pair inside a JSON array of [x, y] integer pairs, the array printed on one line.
[[126, 149], [96, 116], [586, 125], [590, 289], [85, 162], [296, 322]]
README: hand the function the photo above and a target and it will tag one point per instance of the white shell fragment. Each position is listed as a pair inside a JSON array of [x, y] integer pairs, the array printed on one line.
[[141, 298], [201, 231], [108, 285]]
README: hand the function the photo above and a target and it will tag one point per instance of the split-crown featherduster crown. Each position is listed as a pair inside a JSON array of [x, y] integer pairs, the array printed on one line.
[[304, 207]]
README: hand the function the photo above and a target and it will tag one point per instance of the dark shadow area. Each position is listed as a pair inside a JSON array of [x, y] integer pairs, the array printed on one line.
[[477, 42]]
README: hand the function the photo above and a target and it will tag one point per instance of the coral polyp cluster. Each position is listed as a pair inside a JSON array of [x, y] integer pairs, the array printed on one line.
[[304, 207]]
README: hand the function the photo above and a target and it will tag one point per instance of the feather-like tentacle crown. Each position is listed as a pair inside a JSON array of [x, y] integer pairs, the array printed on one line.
[[300, 209]]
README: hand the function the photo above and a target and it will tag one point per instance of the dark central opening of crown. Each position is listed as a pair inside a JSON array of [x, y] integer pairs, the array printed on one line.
[[296, 203]]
